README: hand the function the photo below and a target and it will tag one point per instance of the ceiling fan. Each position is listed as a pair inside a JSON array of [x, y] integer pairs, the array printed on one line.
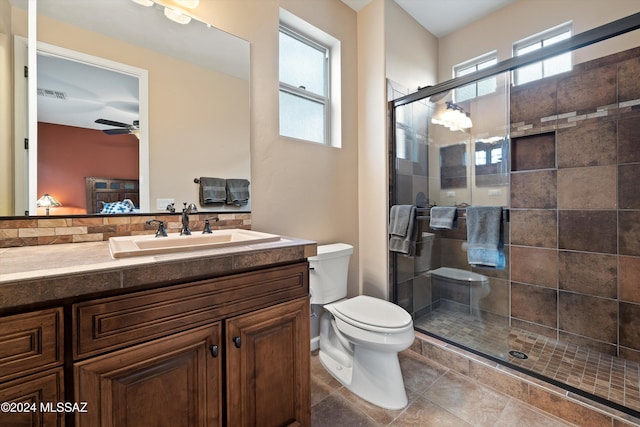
[[121, 128]]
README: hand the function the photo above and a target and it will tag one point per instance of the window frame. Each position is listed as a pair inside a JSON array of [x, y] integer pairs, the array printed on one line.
[[541, 38], [474, 63], [300, 92]]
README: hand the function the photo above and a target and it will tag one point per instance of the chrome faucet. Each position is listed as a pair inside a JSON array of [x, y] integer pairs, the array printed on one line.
[[161, 231], [185, 231], [207, 225]]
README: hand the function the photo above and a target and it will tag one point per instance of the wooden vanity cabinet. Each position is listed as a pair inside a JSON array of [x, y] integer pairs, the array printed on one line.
[[31, 359], [268, 367], [171, 381], [230, 351]]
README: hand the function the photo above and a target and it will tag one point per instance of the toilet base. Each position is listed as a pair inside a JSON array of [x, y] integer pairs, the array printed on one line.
[[372, 375]]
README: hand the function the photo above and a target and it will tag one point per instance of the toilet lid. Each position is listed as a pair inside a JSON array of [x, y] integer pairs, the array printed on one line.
[[374, 312]]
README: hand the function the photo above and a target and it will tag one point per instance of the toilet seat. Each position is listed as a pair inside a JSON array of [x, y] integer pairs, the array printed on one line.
[[373, 314], [462, 276]]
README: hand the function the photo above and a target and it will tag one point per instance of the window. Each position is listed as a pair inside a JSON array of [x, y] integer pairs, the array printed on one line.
[[478, 88], [481, 158], [304, 87], [548, 67]]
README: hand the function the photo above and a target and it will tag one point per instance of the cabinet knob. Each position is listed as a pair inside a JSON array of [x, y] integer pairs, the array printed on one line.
[[237, 342], [214, 350]]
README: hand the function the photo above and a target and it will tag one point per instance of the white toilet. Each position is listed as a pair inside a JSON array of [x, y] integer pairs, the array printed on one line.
[[360, 337]]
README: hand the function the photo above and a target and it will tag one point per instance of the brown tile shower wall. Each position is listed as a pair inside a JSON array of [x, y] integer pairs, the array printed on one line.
[[53, 230], [575, 205]]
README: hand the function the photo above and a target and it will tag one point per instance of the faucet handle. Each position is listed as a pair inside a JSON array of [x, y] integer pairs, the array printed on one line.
[[191, 208], [161, 231], [207, 225]]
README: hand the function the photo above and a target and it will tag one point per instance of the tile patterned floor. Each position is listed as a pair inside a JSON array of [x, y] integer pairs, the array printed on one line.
[[437, 396], [612, 378]]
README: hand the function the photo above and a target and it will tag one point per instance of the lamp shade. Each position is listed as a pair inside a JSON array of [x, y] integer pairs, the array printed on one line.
[[47, 202]]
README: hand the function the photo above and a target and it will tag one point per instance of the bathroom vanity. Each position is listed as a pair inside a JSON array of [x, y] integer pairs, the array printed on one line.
[[216, 337]]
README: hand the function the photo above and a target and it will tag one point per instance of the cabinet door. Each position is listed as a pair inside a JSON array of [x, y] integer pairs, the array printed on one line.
[[268, 370], [173, 381], [33, 398]]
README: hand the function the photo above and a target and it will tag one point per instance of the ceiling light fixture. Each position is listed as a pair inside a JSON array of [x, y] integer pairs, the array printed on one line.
[[146, 3], [177, 16], [175, 10], [189, 4], [454, 118]]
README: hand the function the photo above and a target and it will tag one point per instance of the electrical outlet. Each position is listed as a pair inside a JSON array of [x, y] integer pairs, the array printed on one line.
[[494, 192], [451, 194], [161, 204]]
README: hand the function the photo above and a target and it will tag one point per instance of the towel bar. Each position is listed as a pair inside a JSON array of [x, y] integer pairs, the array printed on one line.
[[462, 214]]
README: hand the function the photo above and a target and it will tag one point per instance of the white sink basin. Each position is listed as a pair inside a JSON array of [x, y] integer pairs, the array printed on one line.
[[130, 246]]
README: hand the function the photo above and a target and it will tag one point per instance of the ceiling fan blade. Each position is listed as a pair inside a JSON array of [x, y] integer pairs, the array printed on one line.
[[116, 131], [112, 123]]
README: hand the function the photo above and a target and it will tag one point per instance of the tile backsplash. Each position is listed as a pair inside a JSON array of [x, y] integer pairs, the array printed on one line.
[[53, 230]]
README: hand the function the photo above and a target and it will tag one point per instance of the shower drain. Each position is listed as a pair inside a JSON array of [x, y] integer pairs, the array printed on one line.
[[518, 354]]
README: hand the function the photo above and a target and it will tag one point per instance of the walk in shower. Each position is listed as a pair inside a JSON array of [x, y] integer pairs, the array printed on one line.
[[561, 155]]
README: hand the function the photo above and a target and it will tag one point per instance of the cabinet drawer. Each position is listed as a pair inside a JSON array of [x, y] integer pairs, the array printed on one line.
[[117, 322], [30, 342]]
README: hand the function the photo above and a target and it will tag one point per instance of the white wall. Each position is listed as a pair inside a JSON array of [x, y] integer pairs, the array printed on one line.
[[411, 52], [372, 150], [299, 189], [391, 44]]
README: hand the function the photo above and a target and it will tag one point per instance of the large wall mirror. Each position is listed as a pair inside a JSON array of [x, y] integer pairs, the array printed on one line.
[[171, 103]]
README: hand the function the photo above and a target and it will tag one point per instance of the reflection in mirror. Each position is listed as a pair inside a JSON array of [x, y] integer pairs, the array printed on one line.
[[449, 182], [199, 90], [88, 127], [470, 165], [453, 166], [490, 162]]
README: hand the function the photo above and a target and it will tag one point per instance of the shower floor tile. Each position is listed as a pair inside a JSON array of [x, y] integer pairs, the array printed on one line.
[[612, 378]]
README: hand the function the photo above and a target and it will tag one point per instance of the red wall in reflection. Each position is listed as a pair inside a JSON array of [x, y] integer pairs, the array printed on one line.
[[67, 154]]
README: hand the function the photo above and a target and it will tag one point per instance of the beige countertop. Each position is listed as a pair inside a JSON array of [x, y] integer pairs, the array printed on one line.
[[39, 274]]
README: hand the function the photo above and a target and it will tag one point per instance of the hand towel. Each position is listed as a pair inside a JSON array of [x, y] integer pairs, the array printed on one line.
[[484, 237], [212, 191], [402, 229], [237, 192], [443, 217]]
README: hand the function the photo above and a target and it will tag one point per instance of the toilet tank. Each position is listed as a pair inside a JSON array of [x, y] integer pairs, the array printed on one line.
[[329, 271]]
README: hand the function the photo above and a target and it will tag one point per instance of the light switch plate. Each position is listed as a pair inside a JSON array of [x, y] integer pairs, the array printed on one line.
[[161, 204]]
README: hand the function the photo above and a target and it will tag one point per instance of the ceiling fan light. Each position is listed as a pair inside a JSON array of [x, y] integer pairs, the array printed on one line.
[[189, 4], [146, 3], [176, 16]]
